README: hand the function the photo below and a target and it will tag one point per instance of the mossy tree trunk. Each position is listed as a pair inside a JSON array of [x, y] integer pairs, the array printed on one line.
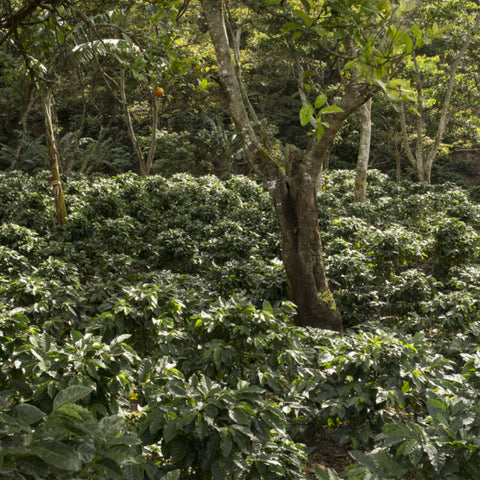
[[293, 190]]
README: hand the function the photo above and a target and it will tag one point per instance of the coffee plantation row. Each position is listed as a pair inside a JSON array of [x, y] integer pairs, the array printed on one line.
[[153, 338]]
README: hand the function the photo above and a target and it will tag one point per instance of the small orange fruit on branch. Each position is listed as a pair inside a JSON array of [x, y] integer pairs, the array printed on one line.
[[159, 92]]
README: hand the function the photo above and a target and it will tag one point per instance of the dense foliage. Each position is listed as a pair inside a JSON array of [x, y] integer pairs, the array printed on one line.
[[153, 338], [78, 52]]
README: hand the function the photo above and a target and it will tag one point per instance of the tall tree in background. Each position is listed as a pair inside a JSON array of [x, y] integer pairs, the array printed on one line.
[[331, 26], [33, 32], [424, 153]]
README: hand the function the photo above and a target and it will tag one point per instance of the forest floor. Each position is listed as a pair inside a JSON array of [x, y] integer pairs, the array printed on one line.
[[324, 453]]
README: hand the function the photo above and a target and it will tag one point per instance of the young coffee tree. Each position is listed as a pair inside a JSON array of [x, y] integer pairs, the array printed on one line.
[[364, 44]]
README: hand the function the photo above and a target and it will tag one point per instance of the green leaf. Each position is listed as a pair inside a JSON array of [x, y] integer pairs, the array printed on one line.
[[406, 387], [58, 455], [306, 113], [226, 445], [331, 109], [218, 473], [328, 475], [28, 414], [169, 431], [367, 461], [110, 467], [320, 132], [132, 472], [172, 475], [203, 84], [178, 449], [437, 459], [320, 100], [70, 411], [71, 394], [241, 415]]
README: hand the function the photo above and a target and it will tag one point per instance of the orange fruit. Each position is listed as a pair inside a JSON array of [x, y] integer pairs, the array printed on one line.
[[159, 92]]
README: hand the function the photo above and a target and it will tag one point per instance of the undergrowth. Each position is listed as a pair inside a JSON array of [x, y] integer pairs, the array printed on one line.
[[154, 340]]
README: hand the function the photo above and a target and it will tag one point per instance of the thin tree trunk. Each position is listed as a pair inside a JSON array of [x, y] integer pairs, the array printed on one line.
[[442, 123], [144, 165], [423, 161], [131, 132], [153, 138], [55, 181], [365, 112]]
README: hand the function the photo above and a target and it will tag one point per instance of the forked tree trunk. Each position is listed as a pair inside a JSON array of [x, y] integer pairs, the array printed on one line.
[[294, 190], [55, 182], [422, 160]]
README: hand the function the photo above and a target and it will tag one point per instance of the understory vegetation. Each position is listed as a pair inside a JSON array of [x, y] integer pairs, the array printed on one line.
[[153, 337]]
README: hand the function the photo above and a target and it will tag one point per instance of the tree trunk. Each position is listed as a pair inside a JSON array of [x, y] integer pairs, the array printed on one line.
[[144, 165], [423, 161], [365, 112], [293, 191], [55, 182], [293, 194], [295, 202]]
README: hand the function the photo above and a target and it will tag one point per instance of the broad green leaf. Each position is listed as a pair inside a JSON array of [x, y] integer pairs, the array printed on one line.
[[328, 475], [28, 414], [169, 431], [70, 411], [111, 467], [367, 460], [218, 473], [320, 132], [172, 475], [132, 472], [290, 26], [306, 19], [380, 83], [71, 394], [226, 446], [320, 100], [331, 109], [306, 113], [437, 459], [111, 427], [178, 449], [58, 455], [241, 415]]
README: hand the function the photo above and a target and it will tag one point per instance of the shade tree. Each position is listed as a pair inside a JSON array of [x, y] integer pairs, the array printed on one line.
[[357, 44], [435, 72]]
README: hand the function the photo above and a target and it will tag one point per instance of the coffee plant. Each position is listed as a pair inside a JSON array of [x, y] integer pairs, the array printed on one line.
[[153, 338]]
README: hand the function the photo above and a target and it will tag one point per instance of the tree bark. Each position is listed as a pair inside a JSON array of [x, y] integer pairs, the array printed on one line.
[[365, 112], [423, 161], [295, 202], [55, 181], [293, 191]]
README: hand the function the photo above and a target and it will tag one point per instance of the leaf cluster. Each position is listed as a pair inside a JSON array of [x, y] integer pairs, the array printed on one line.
[[154, 338]]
